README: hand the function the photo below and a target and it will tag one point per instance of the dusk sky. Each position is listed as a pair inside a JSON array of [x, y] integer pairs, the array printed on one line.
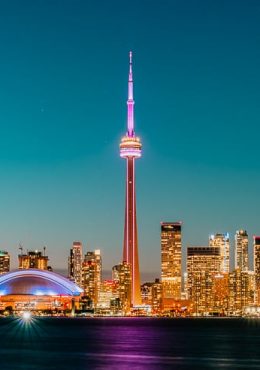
[[63, 86]]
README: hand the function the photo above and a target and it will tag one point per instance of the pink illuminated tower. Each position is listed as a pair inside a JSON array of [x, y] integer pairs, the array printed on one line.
[[130, 149]]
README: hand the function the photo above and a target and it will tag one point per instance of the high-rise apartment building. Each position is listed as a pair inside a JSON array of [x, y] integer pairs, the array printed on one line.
[[121, 275], [220, 294], [257, 265], [34, 259], [146, 293], [241, 291], [91, 275], [241, 250], [157, 296], [222, 241], [131, 149], [203, 263], [106, 295], [4, 262], [75, 261], [171, 259]]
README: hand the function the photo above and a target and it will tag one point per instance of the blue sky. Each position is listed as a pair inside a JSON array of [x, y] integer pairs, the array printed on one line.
[[63, 90]]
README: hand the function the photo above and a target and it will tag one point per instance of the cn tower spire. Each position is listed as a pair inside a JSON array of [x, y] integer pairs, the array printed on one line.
[[130, 100]]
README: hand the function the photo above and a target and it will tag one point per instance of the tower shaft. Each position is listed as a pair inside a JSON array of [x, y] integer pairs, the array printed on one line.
[[130, 251]]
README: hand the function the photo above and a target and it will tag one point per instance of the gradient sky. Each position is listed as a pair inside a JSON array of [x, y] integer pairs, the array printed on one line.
[[63, 91]]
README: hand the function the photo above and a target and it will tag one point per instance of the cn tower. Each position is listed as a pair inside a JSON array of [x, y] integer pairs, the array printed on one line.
[[130, 149]]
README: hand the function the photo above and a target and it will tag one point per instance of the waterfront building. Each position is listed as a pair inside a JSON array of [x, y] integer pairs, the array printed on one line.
[[152, 295], [75, 261], [4, 262], [220, 294], [203, 263], [121, 275], [171, 259], [241, 291], [146, 293], [222, 241], [131, 149], [241, 250], [157, 297], [257, 265], [91, 275], [34, 259], [185, 294], [38, 289], [106, 295]]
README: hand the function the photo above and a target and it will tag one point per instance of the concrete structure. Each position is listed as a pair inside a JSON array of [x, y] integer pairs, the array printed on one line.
[[130, 149]]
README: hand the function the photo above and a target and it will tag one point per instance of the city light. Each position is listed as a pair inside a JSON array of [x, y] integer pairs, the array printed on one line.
[[26, 316]]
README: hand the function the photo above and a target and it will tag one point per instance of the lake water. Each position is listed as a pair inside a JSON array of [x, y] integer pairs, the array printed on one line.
[[129, 343]]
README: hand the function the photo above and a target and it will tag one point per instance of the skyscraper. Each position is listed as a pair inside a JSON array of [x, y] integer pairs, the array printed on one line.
[[91, 275], [203, 263], [221, 241], [34, 259], [257, 265], [130, 149], [75, 263], [171, 259], [121, 275], [4, 262], [241, 250], [241, 290]]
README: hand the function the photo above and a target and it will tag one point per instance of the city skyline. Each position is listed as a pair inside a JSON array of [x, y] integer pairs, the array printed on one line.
[[63, 109]]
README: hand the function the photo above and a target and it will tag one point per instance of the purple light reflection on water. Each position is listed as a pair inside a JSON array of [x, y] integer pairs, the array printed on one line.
[[130, 343]]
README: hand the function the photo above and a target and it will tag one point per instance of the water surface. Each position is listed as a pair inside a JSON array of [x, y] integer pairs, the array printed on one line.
[[129, 343]]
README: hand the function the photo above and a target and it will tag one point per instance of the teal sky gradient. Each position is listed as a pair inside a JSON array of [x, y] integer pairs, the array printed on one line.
[[63, 91]]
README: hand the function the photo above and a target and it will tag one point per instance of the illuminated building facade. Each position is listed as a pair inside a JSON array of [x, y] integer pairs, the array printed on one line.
[[75, 263], [106, 295], [241, 291], [157, 296], [241, 250], [171, 259], [222, 241], [220, 294], [91, 275], [4, 262], [185, 286], [121, 275], [257, 265], [130, 149], [146, 293], [203, 263], [35, 289], [34, 259]]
